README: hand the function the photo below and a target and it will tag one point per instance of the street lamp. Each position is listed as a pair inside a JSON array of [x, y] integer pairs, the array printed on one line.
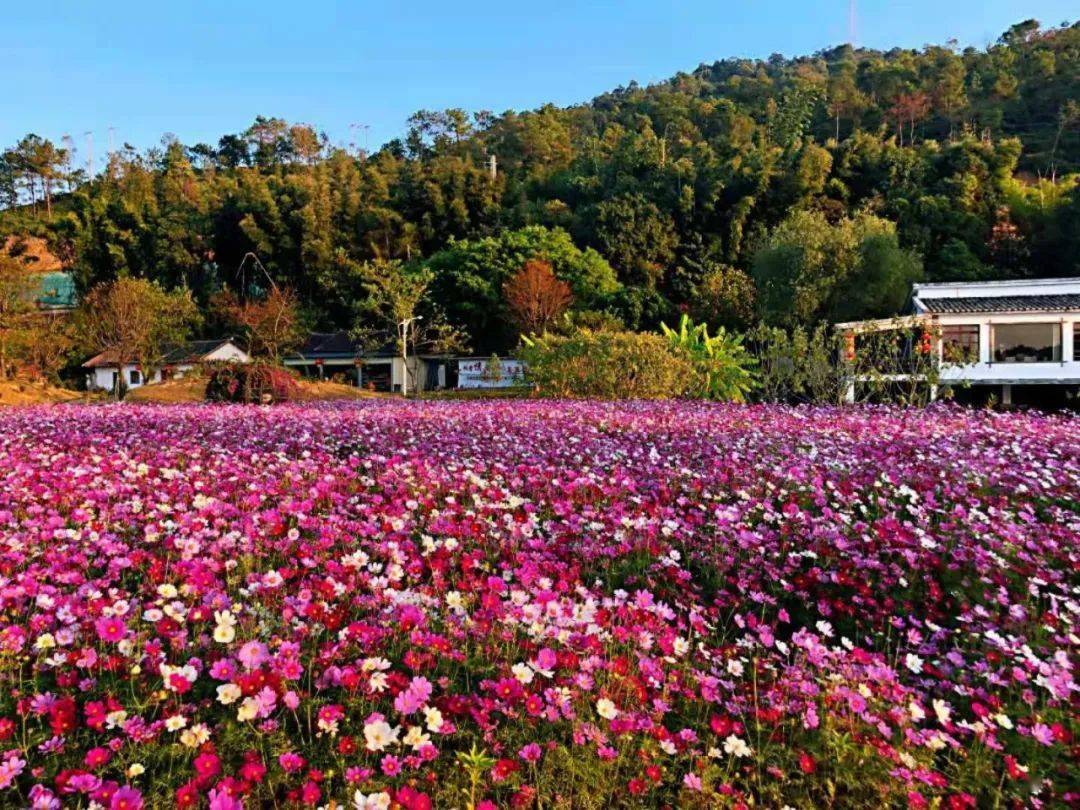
[[403, 327]]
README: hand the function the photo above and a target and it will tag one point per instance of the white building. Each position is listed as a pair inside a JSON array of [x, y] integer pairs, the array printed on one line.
[[103, 369], [1008, 333]]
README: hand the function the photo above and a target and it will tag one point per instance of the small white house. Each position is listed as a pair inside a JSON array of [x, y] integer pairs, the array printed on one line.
[[102, 369], [1009, 333]]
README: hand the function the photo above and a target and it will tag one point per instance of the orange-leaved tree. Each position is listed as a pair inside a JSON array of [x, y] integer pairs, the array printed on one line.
[[535, 297]]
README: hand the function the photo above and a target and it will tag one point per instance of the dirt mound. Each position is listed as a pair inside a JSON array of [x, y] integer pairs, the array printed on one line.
[[314, 390], [193, 389], [34, 251], [16, 392], [186, 389]]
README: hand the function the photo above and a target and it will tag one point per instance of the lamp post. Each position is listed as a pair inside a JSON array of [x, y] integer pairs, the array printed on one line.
[[403, 327]]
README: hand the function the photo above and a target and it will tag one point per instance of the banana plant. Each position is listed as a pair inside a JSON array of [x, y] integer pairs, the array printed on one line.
[[724, 365]]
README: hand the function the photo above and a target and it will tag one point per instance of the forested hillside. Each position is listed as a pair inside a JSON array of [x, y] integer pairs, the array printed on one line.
[[786, 189]]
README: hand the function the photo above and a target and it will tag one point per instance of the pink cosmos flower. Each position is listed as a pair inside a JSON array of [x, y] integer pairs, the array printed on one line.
[[222, 800], [291, 762], [253, 655], [110, 628], [126, 798], [390, 765], [531, 752]]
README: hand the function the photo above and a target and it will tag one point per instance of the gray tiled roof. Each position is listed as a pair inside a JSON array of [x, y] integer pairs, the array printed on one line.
[[193, 351], [1004, 303]]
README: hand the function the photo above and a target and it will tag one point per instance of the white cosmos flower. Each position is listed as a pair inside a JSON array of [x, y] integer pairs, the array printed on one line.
[[736, 746], [371, 801], [942, 710], [379, 735], [607, 709], [228, 693], [433, 719]]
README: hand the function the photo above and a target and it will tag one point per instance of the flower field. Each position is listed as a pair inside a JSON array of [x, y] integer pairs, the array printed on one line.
[[536, 604]]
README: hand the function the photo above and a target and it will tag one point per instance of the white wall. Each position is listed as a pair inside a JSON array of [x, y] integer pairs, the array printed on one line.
[[228, 351], [103, 377]]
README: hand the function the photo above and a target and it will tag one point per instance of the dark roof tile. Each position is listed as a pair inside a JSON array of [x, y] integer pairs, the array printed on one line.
[[1003, 303]]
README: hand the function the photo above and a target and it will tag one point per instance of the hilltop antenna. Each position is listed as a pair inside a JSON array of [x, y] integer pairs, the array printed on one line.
[[69, 153], [89, 154], [353, 142]]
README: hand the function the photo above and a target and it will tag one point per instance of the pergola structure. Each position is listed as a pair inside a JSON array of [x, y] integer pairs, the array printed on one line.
[[931, 344]]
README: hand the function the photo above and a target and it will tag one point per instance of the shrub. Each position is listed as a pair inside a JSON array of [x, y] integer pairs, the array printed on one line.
[[721, 362], [250, 382], [797, 364], [607, 365]]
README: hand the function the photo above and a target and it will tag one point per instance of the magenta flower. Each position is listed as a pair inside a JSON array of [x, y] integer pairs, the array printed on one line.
[[110, 629]]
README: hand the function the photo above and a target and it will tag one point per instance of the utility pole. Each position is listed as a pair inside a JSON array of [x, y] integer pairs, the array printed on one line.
[[493, 168], [403, 328]]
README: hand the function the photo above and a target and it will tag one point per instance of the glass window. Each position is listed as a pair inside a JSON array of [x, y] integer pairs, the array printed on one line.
[[1027, 343], [1076, 341], [960, 343], [134, 377]]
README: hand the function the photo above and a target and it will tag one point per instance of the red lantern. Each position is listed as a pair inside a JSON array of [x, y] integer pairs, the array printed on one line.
[[849, 346]]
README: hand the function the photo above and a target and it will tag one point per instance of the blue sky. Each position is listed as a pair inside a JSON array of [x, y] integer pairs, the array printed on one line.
[[199, 69]]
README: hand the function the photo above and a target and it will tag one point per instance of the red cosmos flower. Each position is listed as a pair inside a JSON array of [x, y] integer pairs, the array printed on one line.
[[179, 683], [187, 796], [503, 769], [534, 705], [346, 745], [1014, 769], [654, 773], [310, 793], [524, 797], [7, 727], [207, 766], [807, 764], [62, 716], [252, 770], [97, 757], [721, 725], [960, 801], [412, 799], [636, 786]]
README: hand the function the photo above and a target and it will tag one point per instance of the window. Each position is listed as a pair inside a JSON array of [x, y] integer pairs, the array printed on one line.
[[960, 343], [1076, 341], [134, 377], [1027, 343]]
